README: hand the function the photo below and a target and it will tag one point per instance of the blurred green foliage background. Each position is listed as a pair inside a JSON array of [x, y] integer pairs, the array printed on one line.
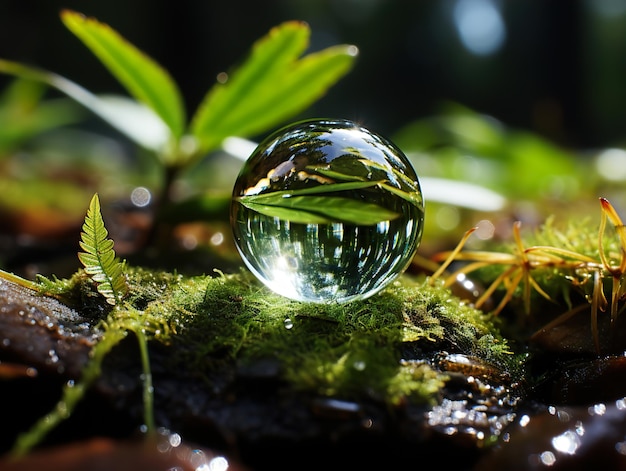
[[555, 67]]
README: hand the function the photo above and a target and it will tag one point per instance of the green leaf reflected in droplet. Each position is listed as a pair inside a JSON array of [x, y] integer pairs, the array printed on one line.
[[318, 209]]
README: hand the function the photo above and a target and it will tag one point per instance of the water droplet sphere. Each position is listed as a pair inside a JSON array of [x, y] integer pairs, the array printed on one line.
[[327, 211]]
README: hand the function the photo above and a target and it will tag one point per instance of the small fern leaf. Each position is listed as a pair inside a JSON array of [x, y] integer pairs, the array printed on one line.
[[99, 258]]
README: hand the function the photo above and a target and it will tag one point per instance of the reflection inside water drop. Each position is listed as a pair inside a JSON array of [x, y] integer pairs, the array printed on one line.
[[325, 210]]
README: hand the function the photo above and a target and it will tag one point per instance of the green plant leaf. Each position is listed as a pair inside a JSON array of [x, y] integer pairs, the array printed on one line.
[[287, 214], [144, 79], [133, 119], [318, 189], [311, 206], [316, 209], [413, 193], [99, 257], [270, 86]]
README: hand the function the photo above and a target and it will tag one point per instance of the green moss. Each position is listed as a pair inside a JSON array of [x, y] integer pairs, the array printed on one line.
[[211, 318], [365, 350], [347, 350]]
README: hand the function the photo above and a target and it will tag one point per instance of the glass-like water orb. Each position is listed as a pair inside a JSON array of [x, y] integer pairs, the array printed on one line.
[[327, 211]]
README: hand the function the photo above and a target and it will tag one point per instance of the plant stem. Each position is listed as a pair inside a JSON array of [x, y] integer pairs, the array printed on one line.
[[159, 232], [72, 395], [148, 390]]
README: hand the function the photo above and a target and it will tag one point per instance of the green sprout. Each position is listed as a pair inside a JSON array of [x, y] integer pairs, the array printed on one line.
[[99, 257]]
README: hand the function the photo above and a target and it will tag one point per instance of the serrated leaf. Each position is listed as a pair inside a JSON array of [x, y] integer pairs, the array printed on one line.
[[134, 119], [144, 79], [270, 86], [99, 257]]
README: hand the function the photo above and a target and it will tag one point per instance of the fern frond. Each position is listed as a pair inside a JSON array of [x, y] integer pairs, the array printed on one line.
[[99, 257]]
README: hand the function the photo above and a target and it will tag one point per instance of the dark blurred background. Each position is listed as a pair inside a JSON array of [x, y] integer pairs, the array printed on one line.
[[554, 67]]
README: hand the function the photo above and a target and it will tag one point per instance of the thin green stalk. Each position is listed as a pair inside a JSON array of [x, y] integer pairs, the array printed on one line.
[[148, 389], [72, 394], [19, 280]]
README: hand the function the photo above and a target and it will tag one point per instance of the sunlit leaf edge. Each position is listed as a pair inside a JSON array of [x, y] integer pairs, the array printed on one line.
[[153, 133], [143, 77], [281, 45]]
